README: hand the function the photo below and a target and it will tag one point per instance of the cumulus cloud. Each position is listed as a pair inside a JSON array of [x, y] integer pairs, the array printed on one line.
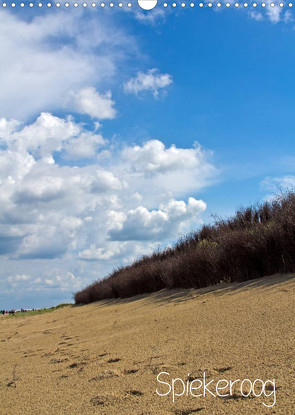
[[109, 211], [153, 157], [172, 172], [150, 81], [54, 55], [97, 105], [50, 134], [142, 224], [68, 196], [51, 209], [116, 253], [50, 241], [85, 145], [99, 254]]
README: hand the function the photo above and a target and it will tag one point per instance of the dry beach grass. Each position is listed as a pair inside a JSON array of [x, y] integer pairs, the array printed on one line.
[[104, 358]]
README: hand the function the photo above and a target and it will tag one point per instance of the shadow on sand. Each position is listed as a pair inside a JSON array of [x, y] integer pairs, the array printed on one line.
[[179, 295]]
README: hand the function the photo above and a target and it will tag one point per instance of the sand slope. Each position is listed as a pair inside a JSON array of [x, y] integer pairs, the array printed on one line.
[[104, 358]]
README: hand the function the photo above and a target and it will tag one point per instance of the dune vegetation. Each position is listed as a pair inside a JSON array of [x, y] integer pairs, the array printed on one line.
[[256, 241]]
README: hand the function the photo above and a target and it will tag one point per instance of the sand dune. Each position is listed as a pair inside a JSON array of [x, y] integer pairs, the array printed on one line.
[[104, 358]]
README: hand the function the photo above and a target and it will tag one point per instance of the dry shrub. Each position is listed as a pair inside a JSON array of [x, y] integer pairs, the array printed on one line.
[[256, 241]]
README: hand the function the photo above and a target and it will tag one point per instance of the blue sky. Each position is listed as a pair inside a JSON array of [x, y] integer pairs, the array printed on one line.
[[122, 130]]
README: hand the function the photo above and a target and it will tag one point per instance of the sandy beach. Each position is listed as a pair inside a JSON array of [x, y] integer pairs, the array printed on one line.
[[104, 358]]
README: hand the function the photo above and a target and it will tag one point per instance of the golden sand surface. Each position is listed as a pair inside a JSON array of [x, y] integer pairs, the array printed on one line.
[[104, 358]]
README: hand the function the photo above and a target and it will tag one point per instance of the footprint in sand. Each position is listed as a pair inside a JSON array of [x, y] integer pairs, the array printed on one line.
[[101, 400], [102, 354], [115, 360], [77, 365], [159, 368], [194, 376], [223, 369], [53, 361], [235, 397], [12, 383], [97, 401], [134, 392], [65, 337], [63, 377], [65, 344], [105, 375], [30, 355], [130, 371], [47, 354]]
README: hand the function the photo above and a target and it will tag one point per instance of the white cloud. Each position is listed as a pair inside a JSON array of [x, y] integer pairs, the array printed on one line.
[[153, 157], [89, 101], [288, 16], [50, 134], [167, 173], [169, 220], [58, 279], [274, 13], [101, 254], [7, 126], [256, 16], [152, 17], [18, 278], [55, 53], [151, 81], [66, 192], [42, 137], [85, 145], [117, 253], [50, 241], [52, 210], [275, 184]]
